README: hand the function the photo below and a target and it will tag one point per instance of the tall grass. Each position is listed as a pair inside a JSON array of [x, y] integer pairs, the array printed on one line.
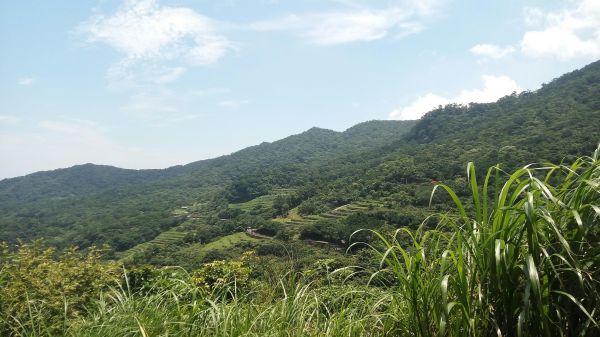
[[301, 310], [520, 258]]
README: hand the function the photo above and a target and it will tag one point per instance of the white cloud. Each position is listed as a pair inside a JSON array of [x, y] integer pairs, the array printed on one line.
[[25, 81], [565, 34], [51, 144], [494, 87], [233, 104], [357, 23], [8, 119], [533, 16], [209, 92], [492, 51], [150, 35], [419, 107]]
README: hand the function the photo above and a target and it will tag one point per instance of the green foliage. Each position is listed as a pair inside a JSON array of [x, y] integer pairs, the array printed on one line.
[[516, 256], [274, 248], [312, 206], [91, 204], [40, 294], [225, 277], [523, 262], [281, 204], [519, 258], [269, 228], [339, 231]]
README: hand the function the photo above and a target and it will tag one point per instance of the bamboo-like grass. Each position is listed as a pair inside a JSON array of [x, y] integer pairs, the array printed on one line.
[[295, 309], [520, 259]]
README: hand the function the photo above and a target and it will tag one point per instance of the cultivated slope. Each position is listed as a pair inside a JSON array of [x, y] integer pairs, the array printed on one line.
[[89, 204]]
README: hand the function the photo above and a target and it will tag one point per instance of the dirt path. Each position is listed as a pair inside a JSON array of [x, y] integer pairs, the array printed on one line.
[[254, 234]]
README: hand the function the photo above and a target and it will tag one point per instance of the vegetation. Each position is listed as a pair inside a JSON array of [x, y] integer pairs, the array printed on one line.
[[327, 233], [519, 258], [380, 160]]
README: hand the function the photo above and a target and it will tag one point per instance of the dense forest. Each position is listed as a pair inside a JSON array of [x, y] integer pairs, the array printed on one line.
[[377, 230]]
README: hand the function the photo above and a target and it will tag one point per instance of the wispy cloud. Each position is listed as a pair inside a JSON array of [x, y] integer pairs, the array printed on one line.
[[25, 81], [156, 40], [564, 34], [233, 104], [492, 51], [9, 119], [159, 106], [494, 87], [206, 92], [158, 44], [353, 24]]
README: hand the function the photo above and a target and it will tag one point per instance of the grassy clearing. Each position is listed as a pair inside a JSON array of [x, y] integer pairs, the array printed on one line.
[[199, 250], [292, 215], [264, 201], [164, 239], [335, 214]]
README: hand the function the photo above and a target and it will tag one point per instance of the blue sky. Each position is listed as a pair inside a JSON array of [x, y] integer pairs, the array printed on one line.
[[154, 83]]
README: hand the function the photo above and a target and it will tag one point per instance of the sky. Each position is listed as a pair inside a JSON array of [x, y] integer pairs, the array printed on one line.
[[155, 83]]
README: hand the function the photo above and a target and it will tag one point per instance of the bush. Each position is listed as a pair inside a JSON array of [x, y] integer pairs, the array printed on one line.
[[40, 292], [269, 228], [223, 277], [271, 248]]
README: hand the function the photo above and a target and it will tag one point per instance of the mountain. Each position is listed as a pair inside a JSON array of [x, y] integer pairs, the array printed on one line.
[[389, 162], [88, 203], [70, 182], [558, 121]]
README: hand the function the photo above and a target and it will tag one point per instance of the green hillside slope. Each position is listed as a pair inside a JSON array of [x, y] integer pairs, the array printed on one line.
[[390, 161], [91, 204]]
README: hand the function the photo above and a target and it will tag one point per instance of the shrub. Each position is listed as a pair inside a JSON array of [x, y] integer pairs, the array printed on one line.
[[223, 277], [40, 292]]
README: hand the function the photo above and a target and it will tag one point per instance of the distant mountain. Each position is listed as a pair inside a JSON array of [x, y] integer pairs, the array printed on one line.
[[69, 182]]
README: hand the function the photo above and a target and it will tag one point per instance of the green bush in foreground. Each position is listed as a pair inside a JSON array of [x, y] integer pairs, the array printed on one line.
[[41, 295], [521, 258]]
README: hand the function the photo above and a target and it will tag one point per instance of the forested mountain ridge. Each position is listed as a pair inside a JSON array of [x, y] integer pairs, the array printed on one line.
[[94, 203], [559, 120], [392, 161], [73, 181]]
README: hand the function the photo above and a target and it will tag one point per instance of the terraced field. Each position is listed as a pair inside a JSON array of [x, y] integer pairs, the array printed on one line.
[[264, 201], [199, 250], [297, 221], [164, 239], [294, 220]]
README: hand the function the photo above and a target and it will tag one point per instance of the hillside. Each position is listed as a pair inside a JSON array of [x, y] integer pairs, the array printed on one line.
[[337, 227], [389, 161], [89, 204], [71, 182], [561, 119]]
